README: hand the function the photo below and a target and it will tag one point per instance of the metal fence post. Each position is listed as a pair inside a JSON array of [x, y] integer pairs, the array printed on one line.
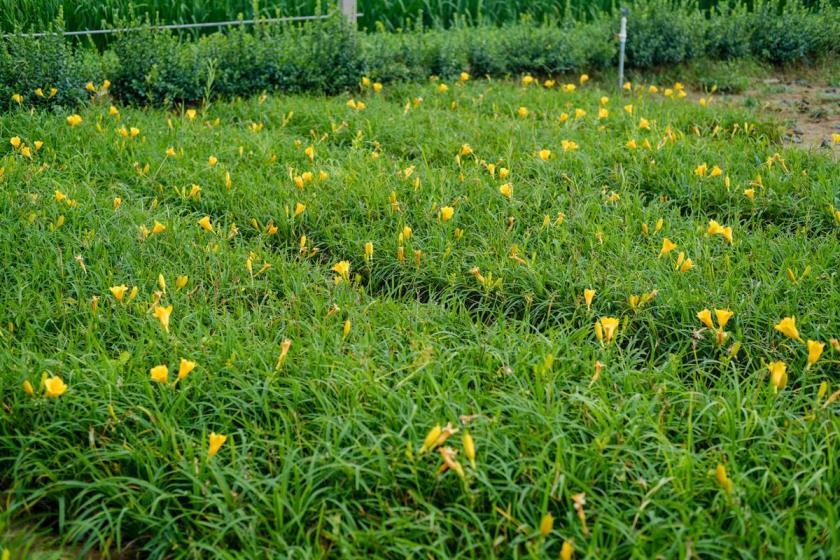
[[348, 8], [622, 39]]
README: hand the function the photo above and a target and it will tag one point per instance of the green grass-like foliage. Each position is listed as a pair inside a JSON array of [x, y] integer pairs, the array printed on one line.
[[323, 453]]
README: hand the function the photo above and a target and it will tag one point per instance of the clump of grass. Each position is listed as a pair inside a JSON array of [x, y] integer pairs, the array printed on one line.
[[327, 380]]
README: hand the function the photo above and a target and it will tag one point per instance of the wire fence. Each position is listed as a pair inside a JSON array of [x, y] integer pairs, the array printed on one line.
[[347, 7]]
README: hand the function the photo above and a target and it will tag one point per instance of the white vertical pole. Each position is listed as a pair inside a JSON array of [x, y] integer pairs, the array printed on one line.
[[622, 39], [348, 8]]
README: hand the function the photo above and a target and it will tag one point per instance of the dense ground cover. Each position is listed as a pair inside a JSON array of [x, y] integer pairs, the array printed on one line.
[[348, 272]]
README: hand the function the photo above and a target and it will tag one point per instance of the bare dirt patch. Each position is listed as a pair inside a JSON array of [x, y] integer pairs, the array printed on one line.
[[810, 111]]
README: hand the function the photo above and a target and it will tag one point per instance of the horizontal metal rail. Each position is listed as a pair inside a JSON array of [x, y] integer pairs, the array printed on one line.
[[205, 25]]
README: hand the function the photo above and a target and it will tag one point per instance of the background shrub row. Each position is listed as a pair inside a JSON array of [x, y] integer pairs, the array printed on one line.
[[328, 56]]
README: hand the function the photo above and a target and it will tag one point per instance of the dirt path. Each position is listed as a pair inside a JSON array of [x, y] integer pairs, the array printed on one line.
[[810, 111]]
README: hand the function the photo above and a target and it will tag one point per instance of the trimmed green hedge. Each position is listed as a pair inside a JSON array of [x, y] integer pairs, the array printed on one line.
[[328, 56]]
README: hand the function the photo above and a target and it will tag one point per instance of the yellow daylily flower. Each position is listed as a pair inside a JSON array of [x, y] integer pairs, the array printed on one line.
[[342, 268], [184, 368], [162, 314], [607, 326], [588, 295], [723, 316], [787, 327], [705, 317], [216, 443], [159, 374], [667, 247], [778, 375], [506, 190], [205, 223], [55, 386], [815, 350], [119, 291]]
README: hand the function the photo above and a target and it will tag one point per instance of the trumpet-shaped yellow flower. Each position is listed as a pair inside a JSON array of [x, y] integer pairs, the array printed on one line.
[[119, 291], [522, 112], [778, 375], [299, 209], [588, 295], [342, 269], [181, 281], [705, 317], [162, 314], [205, 223], [787, 327], [158, 227], [815, 350], [216, 443], [159, 374], [607, 327], [667, 247], [184, 368], [506, 190], [723, 316], [212, 161], [368, 250], [683, 264], [714, 228], [544, 154], [446, 213], [74, 120], [27, 388], [54, 386]]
